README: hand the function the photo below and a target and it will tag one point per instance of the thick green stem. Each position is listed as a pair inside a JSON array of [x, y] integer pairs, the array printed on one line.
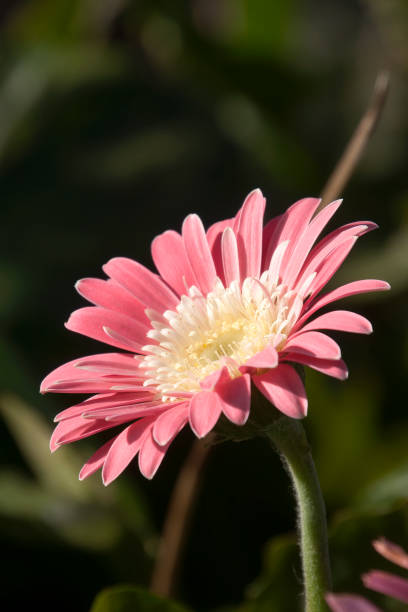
[[289, 438]]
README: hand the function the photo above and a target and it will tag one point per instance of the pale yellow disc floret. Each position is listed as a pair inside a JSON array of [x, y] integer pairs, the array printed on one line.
[[226, 327]]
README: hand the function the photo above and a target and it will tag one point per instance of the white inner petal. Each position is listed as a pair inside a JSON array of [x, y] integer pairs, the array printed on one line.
[[226, 327]]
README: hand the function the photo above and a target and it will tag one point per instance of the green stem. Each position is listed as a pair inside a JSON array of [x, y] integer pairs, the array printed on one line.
[[289, 438]]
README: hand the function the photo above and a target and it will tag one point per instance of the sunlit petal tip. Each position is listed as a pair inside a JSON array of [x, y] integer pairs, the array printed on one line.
[[105, 482], [54, 447], [78, 284], [391, 551], [255, 192]]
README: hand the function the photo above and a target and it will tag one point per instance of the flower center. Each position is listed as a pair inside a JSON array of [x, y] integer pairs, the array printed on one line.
[[227, 327]]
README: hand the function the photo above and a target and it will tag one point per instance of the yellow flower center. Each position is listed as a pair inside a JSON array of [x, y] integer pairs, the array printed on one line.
[[226, 327]]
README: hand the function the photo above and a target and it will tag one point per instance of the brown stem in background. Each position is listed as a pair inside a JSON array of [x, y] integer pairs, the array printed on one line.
[[353, 151], [178, 517]]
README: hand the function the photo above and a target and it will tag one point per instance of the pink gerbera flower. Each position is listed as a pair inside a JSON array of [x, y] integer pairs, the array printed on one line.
[[382, 582], [229, 305]]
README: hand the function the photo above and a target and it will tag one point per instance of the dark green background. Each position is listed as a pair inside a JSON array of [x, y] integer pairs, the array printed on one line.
[[117, 119]]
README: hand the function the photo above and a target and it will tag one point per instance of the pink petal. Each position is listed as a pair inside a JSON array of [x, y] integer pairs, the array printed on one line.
[[95, 402], [388, 584], [82, 375], [169, 423], [349, 603], [306, 241], [140, 402], [109, 363], [126, 412], [124, 449], [198, 253], [269, 237], [67, 371], [392, 552], [109, 327], [96, 461], [216, 230], [146, 286], [354, 288], [170, 258], [110, 295], [267, 358], [210, 382], [205, 409], [151, 455], [294, 221], [235, 398], [93, 385], [330, 265], [234, 394], [284, 388], [329, 244], [75, 429], [335, 368], [314, 344], [230, 260], [248, 230], [276, 262], [341, 320], [214, 236], [291, 224]]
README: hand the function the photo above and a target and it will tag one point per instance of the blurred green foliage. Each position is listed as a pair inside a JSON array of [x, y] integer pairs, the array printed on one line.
[[117, 119], [130, 599]]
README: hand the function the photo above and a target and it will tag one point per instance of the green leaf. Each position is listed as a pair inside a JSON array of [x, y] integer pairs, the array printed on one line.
[[15, 490], [248, 34], [34, 507], [278, 587], [126, 598], [85, 514], [32, 434], [385, 493]]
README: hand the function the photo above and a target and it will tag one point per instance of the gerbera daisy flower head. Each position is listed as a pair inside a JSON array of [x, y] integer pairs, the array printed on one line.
[[230, 306]]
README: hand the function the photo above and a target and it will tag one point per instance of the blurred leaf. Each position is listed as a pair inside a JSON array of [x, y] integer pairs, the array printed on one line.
[[32, 74], [386, 492], [62, 20], [279, 585], [250, 35], [148, 151], [15, 490], [32, 434], [263, 139], [46, 19], [86, 514], [342, 425], [345, 427], [85, 526], [133, 599]]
